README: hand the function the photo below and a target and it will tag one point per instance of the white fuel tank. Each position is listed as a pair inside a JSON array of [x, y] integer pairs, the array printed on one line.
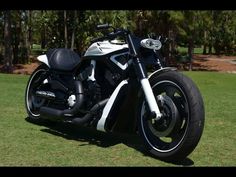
[[104, 47]]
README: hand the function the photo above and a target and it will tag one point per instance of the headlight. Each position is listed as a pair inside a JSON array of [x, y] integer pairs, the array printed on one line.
[[151, 44]]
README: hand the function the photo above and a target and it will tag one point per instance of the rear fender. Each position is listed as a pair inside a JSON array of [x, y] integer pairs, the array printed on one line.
[[43, 59]]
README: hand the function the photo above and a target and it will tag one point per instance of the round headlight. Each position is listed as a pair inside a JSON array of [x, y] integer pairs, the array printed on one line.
[[151, 44]]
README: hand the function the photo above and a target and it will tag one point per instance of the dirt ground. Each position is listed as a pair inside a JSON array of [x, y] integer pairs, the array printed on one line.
[[200, 63], [215, 63]]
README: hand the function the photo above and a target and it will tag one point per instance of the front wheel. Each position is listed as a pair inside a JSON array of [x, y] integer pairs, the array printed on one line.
[[177, 133]]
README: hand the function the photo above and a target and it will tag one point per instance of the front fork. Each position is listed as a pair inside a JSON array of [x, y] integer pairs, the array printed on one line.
[[147, 89]]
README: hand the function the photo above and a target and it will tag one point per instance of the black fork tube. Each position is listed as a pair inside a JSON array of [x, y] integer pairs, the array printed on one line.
[[139, 69], [143, 79], [138, 65]]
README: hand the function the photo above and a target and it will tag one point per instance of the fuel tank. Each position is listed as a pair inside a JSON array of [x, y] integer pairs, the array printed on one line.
[[104, 47]]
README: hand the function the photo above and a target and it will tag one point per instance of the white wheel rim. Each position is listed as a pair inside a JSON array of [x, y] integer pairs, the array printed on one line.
[[142, 126], [27, 93]]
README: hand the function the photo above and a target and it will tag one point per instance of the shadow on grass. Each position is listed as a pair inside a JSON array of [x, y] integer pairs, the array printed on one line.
[[90, 136]]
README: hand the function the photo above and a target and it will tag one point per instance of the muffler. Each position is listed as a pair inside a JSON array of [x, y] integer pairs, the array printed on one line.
[[45, 94], [55, 114]]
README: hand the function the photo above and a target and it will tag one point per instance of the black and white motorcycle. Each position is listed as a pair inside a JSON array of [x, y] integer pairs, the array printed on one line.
[[110, 89]]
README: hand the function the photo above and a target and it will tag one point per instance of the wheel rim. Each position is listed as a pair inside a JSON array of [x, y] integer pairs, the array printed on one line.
[[166, 139], [34, 103]]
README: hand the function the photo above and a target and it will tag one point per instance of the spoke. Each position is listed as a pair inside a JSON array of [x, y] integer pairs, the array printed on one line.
[[166, 139], [179, 104], [170, 91]]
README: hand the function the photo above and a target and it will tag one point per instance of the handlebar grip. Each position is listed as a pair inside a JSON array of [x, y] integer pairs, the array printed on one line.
[[114, 35], [103, 26], [110, 36], [98, 39]]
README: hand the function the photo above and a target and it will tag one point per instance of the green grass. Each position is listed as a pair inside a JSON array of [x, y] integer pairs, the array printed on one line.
[[37, 50], [197, 50], [36, 46], [218, 144], [26, 144]]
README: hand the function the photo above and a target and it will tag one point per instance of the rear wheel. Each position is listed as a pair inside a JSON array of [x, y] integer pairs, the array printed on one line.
[[32, 102], [178, 132]]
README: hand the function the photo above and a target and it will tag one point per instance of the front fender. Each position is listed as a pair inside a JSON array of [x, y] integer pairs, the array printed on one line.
[[162, 70], [159, 71]]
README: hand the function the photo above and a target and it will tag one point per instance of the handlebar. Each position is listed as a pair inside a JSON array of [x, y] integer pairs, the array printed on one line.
[[110, 36], [103, 26], [98, 39]]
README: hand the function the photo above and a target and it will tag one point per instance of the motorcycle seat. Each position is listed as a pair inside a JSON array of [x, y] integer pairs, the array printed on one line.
[[62, 59]]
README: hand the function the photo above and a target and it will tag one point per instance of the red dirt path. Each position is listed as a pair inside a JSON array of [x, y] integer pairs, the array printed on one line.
[[215, 63]]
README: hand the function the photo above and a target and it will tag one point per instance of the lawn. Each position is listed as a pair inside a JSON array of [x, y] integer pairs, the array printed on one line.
[[26, 144], [197, 50]]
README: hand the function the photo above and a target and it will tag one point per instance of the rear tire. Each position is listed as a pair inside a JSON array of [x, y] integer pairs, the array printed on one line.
[[32, 103], [178, 134]]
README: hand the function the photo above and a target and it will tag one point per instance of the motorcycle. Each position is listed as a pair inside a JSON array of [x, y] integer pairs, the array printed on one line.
[[110, 88]]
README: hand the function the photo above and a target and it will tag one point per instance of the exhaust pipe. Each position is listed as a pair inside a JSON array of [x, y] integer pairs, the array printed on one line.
[[51, 113], [56, 114], [79, 100], [89, 116]]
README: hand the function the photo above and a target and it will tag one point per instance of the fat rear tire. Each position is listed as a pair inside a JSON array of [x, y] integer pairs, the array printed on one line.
[[32, 117]]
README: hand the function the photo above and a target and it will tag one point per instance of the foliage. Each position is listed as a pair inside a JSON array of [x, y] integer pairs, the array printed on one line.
[[224, 32], [213, 29]]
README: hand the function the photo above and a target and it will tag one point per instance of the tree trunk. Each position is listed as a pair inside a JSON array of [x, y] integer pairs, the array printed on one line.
[[43, 35], [190, 53], [210, 49], [168, 48], [65, 29], [73, 32], [43, 38], [191, 42], [7, 42], [172, 44], [16, 38], [25, 48], [30, 31], [217, 47], [205, 43]]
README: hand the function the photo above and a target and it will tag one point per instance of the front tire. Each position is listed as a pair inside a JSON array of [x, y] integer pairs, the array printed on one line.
[[178, 133]]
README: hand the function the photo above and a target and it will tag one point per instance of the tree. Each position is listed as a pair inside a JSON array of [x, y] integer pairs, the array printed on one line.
[[74, 25], [7, 42], [16, 34], [75, 29], [26, 42], [205, 29], [224, 34], [65, 29]]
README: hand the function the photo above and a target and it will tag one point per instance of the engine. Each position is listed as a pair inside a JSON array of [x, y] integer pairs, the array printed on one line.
[[109, 79], [101, 87], [92, 93]]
